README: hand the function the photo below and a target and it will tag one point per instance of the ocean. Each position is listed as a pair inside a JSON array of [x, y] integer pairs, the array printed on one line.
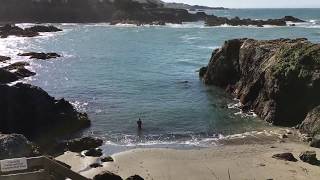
[[118, 74]]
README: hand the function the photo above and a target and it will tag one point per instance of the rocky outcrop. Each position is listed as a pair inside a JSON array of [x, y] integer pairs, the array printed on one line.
[[19, 70], [12, 30], [39, 28], [311, 124], [7, 76], [41, 55], [94, 152], [29, 110], [309, 157], [278, 79], [4, 58], [16, 145], [236, 21], [81, 144]]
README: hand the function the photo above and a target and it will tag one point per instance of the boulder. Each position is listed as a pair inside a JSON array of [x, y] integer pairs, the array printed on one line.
[[311, 124], [107, 176], [15, 146], [42, 56], [309, 157], [107, 159], [81, 144], [94, 152], [135, 177], [315, 142], [278, 79], [29, 110], [285, 156], [202, 71], [39, 28]]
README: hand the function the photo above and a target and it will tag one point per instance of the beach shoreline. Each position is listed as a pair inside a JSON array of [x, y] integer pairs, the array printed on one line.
[[241, 159]]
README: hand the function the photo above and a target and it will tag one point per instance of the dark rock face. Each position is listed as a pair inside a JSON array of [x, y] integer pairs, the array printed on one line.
[[81, 144], [29, 110], [94, 152], [309, 157], [311, 124], [14, 146], [135, 177], [107, 176], [39, 28], [285, 156], [218, 21], [278, 79], [4, 58], [43, 56]]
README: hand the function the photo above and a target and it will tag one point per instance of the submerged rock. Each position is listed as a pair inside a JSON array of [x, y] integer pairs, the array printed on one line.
[[107, 176], [29, 110], [285, 156], [15, 146], [43, 56], [278, 79]]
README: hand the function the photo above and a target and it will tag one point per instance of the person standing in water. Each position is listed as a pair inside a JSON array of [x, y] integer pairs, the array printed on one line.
[[139, 123]]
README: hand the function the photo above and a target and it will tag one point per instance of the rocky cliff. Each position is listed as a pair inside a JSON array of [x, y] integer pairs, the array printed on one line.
[[278, 79]]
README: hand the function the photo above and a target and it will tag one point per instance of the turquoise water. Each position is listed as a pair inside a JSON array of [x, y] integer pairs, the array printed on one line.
[[118, 74]]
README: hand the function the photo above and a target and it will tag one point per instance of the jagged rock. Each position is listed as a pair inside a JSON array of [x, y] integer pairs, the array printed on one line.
[[94, 152], [278, 79], [43, 56], [4, 58], [285, 156], [81, 144], [16, 65], [107, 159], [311, 124], [15, 146], [29, 110], [315, 142], [135, 177], [107, 176], [39, 28], [309, 157], [23, 72]]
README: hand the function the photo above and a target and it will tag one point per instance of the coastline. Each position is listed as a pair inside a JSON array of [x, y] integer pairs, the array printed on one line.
[[241, 161]]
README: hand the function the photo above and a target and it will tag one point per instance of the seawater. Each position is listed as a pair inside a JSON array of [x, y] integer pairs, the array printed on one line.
[[118, 74]]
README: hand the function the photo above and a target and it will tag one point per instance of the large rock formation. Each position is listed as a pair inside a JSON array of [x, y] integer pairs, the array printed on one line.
[[16, 145], [311, 124], [12, 30], [278, 79], [29, 110]]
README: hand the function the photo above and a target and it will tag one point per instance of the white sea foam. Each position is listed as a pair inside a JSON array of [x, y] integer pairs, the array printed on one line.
[[80, 106]]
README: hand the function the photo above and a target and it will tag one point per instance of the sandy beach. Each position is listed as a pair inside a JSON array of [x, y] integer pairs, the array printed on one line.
[[246, 161]]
